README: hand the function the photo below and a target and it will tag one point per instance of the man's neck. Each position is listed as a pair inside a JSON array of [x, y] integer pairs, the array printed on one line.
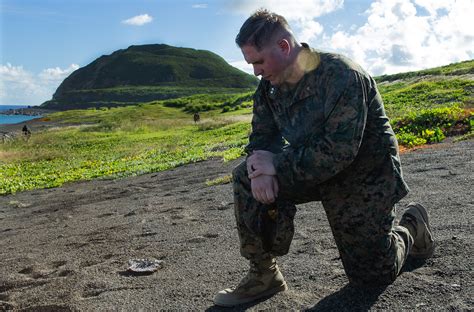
[[304, 62]]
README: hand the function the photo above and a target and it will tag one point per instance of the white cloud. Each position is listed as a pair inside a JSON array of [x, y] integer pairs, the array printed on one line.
[[300, 14], [432, 6], [12, 73], [199, 6], [138, 20], [56, 73], [19, 86], [400, 36], [310, 30]]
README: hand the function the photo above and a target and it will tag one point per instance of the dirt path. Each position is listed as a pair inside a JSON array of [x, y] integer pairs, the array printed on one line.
[[67, 248]]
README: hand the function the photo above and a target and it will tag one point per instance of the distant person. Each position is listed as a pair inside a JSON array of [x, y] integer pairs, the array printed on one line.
[[342, 151], [196, 117], [26, 132]]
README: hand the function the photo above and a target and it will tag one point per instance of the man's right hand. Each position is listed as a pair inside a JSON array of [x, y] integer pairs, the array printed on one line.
[[265, 188], [260, 162]]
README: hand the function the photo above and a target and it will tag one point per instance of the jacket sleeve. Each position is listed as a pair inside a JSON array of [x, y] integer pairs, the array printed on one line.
[[265, 134], [336, 146]]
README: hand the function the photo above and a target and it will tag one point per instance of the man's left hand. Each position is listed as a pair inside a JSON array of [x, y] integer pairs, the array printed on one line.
[[260, 162], [264, 188]]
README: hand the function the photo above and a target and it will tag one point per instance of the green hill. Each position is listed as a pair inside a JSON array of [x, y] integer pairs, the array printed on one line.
[[411, 92], [146, 73], [455, 69], [427, 105]]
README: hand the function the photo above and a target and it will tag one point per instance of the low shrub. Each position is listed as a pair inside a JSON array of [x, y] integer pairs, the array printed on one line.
[[432, 125]]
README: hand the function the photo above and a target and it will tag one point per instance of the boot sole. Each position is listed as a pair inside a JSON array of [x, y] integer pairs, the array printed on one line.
[[267, 293], [419, 211]]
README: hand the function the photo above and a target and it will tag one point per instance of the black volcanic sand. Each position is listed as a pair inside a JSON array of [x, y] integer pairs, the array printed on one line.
[[66, 249]]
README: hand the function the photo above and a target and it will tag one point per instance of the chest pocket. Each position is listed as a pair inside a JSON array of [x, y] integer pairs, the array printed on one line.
[[301, 119]]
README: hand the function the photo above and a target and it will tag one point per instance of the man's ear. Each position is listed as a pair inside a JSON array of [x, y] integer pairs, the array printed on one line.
[[284, 46]]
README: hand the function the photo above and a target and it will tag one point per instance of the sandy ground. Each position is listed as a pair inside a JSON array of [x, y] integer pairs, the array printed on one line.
[[66, 249]]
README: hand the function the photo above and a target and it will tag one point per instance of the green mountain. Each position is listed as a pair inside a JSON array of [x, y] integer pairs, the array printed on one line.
[[146, 73]]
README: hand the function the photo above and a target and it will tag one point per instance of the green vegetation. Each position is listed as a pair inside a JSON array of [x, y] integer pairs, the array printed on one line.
[[402, 98], [127, 95], [114, 142], [205, 102], [465, 137], [456, 69], [432, 125], [428, 110], [111, 150], [157, 111], [220, 180]]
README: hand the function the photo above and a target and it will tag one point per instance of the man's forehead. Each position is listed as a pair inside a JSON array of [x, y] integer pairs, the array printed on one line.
[[251, 54], [249, 49]]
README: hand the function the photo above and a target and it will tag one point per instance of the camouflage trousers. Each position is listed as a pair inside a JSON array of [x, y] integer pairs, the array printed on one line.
[[373, 250]]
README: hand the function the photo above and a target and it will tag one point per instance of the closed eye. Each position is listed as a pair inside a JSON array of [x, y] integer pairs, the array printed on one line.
[[259, 62]]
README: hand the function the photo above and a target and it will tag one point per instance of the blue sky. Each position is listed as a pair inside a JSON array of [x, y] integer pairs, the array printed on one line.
[[43, 41]]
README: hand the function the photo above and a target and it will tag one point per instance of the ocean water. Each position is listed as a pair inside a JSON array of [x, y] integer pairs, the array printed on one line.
[[13, 119]]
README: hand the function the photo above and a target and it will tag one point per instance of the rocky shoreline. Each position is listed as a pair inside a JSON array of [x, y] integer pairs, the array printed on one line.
[[27, 111]]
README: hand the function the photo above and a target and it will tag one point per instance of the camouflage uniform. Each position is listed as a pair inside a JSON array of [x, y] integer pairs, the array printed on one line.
[[343, 152]]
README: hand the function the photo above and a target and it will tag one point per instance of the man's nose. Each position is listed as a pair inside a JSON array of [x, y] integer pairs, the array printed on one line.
[[257, 71]]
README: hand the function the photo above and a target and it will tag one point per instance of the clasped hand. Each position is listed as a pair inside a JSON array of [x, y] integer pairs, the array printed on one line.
[[262, 175]]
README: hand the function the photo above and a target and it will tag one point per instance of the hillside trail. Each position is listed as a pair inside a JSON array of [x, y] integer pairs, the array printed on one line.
[[67, 248]]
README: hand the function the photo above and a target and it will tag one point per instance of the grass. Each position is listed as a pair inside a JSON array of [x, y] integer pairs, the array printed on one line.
[[52, 158], [404, 98], [465, 137], [461, 68], [133, 95], [220, 180], [207, 102], [115, 142]]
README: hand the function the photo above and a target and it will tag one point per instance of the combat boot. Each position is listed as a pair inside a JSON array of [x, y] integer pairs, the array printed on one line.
[[263, 279], [415, 219]]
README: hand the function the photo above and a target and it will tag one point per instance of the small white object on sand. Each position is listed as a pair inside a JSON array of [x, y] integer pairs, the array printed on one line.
[[144, 265]]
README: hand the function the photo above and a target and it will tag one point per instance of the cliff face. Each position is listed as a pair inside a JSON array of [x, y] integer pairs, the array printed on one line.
[[144, 73]]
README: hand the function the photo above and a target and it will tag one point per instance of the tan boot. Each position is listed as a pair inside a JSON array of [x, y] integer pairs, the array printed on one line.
[[415, 219], [262, 280]]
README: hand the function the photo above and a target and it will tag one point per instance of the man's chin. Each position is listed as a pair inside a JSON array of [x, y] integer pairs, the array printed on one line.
[[271, 81]]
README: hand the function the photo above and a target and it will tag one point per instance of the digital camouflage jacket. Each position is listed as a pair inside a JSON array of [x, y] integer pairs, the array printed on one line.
[[338, 135]]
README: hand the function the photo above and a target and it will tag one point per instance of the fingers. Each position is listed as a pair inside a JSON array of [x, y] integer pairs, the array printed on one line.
[[270, 196], [264, 189], [255, 195], [258, 167], [250, 166], [267, 169], [264, 196], [255, 173], [260, 160]]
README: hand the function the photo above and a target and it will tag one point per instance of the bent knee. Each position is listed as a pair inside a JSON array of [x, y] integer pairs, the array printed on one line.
[[373, 265]]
